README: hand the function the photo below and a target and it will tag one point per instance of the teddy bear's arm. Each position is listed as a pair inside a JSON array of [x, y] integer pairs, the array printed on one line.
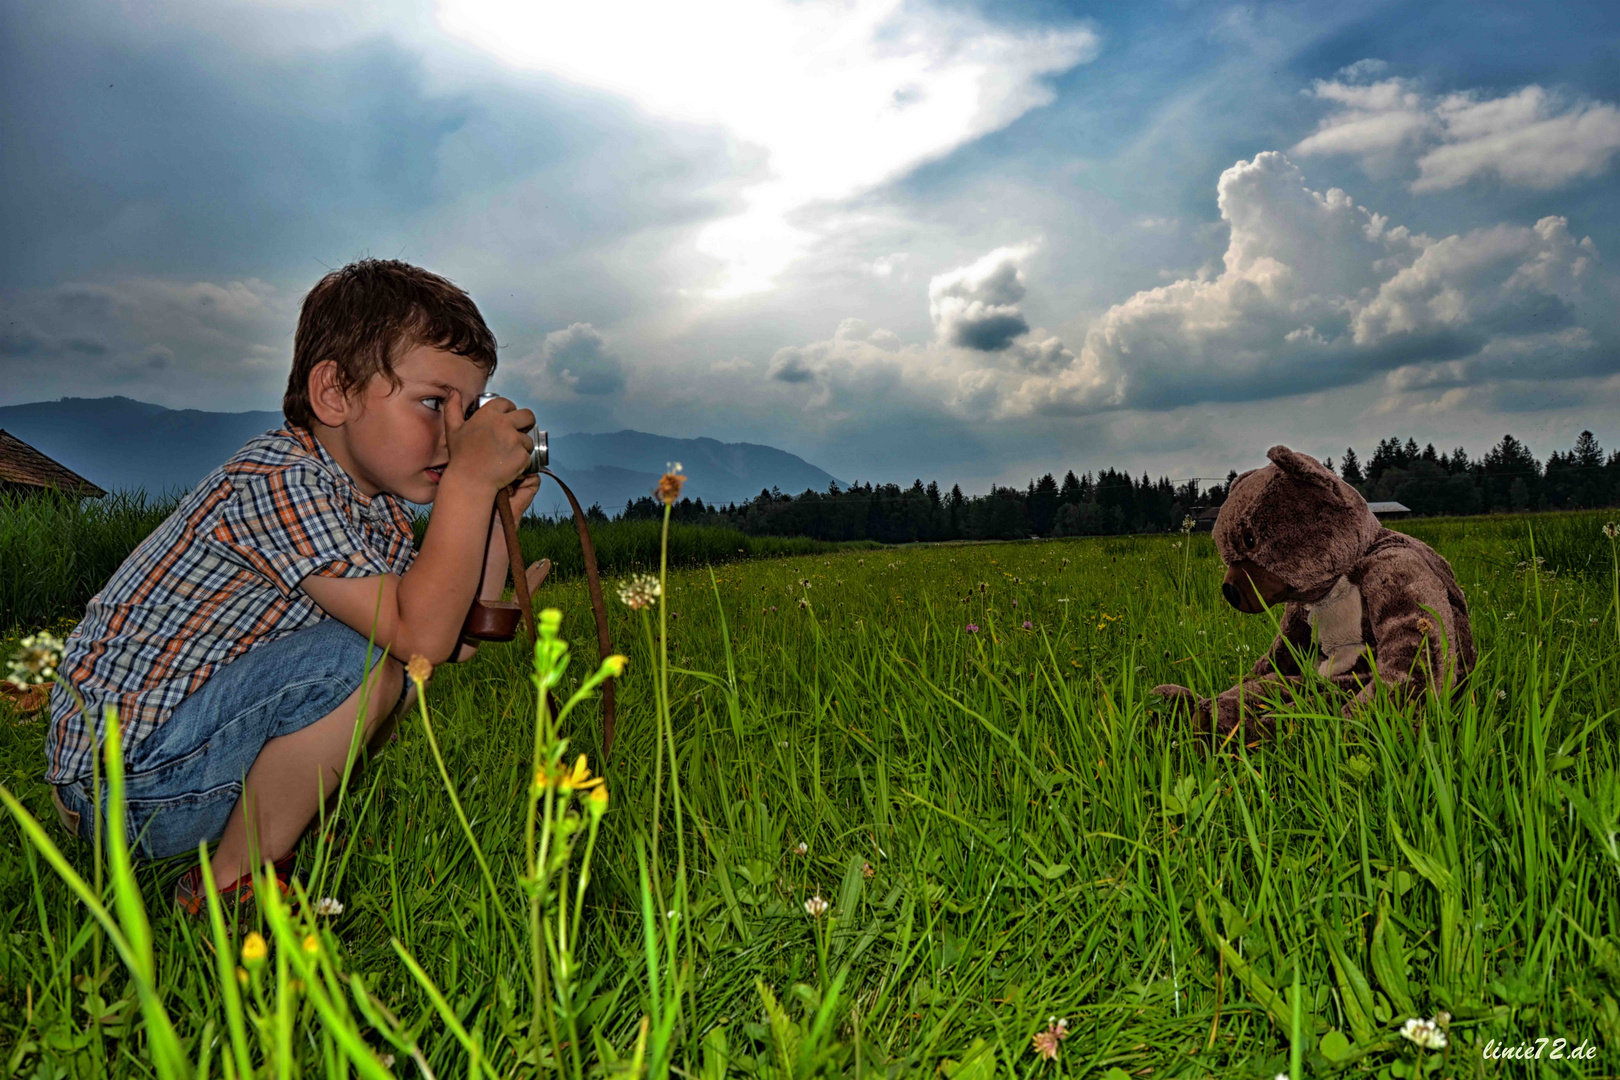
[[1293, 637], [1409, 614]]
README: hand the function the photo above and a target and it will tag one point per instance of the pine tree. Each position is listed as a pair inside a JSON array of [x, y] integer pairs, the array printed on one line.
[[1351, 468], [1043, 504], [1587, 453], [1070, 492]]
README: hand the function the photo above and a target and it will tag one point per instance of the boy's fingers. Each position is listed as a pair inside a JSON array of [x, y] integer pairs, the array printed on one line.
[[454, 412]]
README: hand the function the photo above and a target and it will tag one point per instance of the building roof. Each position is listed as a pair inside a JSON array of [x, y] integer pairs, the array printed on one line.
[[1388, 508], [22, 465]]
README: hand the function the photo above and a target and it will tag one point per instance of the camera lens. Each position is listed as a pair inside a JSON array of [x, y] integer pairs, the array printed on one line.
[[478, 403]]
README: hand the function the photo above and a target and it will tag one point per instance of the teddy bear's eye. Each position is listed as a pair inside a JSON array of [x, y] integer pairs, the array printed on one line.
[[1248, 539]]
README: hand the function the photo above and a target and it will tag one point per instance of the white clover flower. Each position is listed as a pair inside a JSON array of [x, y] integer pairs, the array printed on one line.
[[816, 907], [1611, 530], [1501, 695], [640, 591], [802, 849], [36, 659], [328, 906], [1426, 1033]]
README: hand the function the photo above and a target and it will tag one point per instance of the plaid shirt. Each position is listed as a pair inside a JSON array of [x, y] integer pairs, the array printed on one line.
[[218, 577]]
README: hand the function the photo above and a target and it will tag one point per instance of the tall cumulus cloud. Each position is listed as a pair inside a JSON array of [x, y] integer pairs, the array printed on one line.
[[1314, 292]]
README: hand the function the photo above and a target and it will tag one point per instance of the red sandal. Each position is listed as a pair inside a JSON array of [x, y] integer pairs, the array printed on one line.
[[189, 894]]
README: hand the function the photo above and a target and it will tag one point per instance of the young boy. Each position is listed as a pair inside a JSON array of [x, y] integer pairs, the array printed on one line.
[[233, 641]]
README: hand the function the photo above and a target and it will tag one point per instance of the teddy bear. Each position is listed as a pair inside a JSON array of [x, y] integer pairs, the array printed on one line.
[[1365, 605]]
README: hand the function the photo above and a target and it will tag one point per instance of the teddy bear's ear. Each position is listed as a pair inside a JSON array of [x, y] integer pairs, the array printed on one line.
[[1300, 466]]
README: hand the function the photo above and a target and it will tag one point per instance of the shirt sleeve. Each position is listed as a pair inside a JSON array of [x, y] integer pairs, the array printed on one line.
[[290, 523]]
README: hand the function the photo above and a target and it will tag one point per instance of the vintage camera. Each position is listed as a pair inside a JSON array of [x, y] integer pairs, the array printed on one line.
[[539, 457]]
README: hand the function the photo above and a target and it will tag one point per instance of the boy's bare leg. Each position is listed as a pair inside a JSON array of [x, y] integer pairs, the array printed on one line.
[[283, 788], [379, 739]]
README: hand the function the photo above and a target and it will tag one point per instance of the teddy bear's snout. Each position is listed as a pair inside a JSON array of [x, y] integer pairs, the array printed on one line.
[[1251, 588]]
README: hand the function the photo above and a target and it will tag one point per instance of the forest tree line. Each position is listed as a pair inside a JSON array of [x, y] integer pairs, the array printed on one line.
[[1508, 477]]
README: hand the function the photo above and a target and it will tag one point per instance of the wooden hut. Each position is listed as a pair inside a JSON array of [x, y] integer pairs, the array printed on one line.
[[26, 471], [1204, 516]]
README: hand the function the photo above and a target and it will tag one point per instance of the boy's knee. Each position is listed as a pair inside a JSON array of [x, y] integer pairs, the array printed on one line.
[[387, 680]]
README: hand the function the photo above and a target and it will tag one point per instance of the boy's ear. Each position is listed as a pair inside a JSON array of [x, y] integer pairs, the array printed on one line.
[[326, 398]]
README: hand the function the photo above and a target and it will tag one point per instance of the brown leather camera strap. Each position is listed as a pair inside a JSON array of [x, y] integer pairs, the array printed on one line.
[[514, 555], [593, 581]]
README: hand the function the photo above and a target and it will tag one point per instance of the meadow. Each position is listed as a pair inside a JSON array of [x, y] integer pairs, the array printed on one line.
[[895, 812]]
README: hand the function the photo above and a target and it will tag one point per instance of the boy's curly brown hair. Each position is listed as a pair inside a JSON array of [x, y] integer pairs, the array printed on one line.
[[369, 314]]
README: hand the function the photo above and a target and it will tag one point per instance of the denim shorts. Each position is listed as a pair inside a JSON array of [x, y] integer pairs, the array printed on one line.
[[182, 781]]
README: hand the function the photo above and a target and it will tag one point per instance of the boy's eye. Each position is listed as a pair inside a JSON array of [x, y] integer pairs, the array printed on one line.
[[433, 403]]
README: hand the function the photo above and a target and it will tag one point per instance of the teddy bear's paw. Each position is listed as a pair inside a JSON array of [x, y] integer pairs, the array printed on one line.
[[1261, 728], [1180, 702]]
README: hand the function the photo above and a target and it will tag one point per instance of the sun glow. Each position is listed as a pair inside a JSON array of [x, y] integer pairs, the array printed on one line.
[[841, 97]]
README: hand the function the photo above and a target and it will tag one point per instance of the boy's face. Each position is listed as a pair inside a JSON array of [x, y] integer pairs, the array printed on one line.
[[394, 439]]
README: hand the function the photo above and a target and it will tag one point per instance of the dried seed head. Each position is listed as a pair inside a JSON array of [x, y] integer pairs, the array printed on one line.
[[669, 485], [419, 669]]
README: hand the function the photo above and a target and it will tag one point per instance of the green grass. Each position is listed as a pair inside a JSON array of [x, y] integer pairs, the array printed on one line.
[[59, 551], [1039, 843]]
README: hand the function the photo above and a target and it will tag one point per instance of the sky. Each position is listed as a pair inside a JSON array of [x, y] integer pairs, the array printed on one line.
[[944, 240]]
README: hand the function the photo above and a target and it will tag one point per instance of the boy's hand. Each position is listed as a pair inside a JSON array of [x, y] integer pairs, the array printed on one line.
[[490, 450], [523, 495]]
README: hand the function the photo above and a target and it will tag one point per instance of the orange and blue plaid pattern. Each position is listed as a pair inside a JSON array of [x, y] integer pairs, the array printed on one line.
[[219, 576]]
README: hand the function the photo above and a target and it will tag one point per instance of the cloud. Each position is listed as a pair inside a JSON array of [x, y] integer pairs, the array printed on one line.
[[188, 344], [792, 364], [577, 360], [976, 306], [1531, 138], [835, 97], [1315, 292], [981, 357]]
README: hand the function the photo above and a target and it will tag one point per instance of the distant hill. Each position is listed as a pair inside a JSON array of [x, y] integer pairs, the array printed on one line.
[[119, 443]]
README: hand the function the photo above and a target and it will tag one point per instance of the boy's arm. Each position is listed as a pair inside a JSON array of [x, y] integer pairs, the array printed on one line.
[[422, 611], [493, 583]]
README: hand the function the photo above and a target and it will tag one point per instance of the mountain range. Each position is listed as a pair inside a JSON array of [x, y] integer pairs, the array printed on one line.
[[119, 443]]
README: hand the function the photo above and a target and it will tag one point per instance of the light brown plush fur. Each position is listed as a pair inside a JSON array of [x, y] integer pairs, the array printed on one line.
[[1288, 532]]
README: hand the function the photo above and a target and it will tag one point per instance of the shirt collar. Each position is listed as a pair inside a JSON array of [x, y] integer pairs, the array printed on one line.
[[384, 508]]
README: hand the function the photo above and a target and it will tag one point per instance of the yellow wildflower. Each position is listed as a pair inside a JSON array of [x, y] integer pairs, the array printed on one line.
[[597, 801], [615, 665], [580, 778], [312, 945], [254, 950]]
